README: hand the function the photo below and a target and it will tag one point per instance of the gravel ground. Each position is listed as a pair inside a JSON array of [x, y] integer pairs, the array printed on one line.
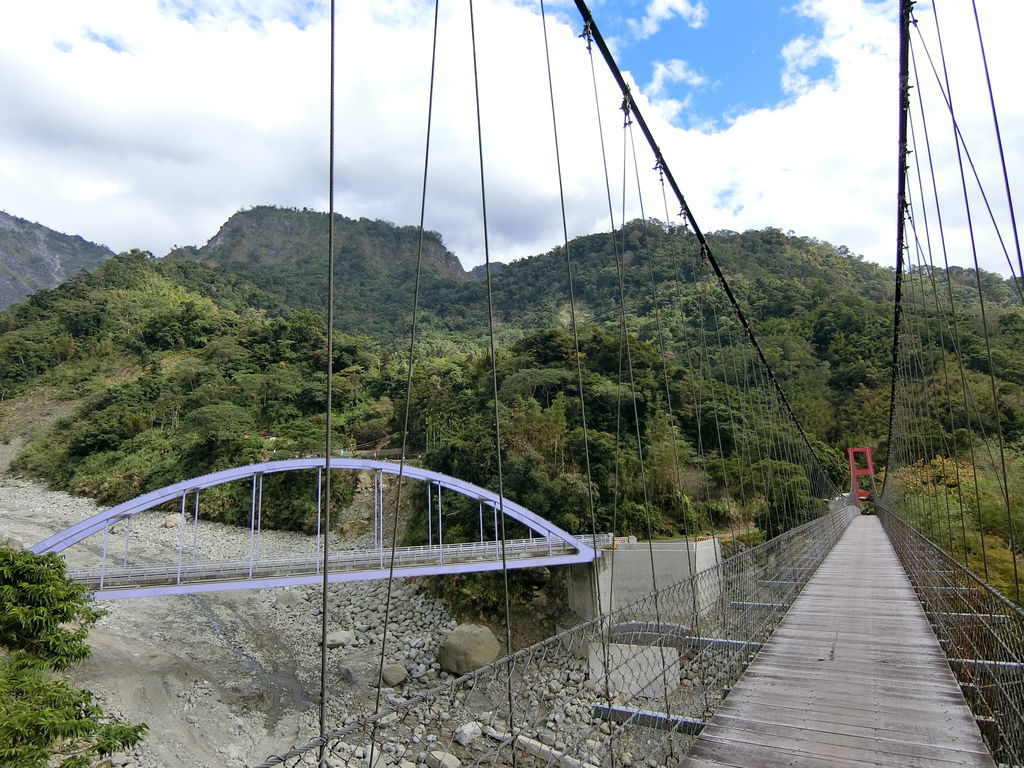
[[230, 678]]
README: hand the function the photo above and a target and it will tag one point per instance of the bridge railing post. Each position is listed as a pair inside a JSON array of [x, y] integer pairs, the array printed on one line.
[[181, 535], [195, 526], [252, 524], [103, 558]]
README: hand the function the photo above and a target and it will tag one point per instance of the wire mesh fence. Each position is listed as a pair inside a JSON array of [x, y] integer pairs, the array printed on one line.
[[981, 632], [630, 687]]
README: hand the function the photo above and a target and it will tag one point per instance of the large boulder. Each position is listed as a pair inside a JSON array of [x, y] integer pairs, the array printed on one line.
[[394, 674], [466, 648]]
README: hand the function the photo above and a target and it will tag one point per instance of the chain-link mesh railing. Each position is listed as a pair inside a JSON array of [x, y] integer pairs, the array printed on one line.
[[981, 632], [629, 687]]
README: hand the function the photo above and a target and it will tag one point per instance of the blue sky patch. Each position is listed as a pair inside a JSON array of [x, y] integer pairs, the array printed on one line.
[[736, 51]]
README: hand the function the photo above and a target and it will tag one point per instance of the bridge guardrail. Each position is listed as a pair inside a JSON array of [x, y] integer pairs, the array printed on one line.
[[981, 632], [631, 686], [205, 571]]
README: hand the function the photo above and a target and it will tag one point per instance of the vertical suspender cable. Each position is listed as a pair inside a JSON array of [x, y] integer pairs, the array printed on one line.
[[413, 324], [954, 319], [494, 371], [985, 327], [597, 596], [327, 405], [606, 53], [999, 142]]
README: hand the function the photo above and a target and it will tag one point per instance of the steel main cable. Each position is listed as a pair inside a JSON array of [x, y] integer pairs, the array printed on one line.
[[591, 28], [901, 180]]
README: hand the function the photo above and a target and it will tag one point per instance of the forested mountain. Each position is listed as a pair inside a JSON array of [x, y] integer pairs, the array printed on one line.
[[215, 357], [822, 314], [33, 257], [283, 251]]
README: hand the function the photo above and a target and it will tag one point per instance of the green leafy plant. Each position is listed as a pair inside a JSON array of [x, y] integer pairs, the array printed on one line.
[[44, 621]]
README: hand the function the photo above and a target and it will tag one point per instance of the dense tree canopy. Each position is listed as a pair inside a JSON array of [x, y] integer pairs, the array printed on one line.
[[216, 357]]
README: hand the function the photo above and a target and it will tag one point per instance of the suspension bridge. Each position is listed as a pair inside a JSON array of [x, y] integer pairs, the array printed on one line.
[[844, 640]]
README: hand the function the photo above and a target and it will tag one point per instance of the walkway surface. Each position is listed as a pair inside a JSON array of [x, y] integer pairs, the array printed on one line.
[[853, 676]]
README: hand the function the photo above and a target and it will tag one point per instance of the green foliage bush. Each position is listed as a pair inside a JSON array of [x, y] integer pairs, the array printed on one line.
[[44, 621]]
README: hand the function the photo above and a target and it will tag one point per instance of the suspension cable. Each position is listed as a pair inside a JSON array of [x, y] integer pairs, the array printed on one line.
[[985, 331], [606, 53], [413, 325], [329, 397], [999, 140], [961, 144], [599, 607], [494, 362]]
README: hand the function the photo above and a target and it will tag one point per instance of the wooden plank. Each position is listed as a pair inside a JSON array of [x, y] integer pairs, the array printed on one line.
[[853, 676]]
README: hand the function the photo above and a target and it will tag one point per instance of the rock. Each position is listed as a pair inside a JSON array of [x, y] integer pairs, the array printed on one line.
[[173, 521], [478, 702], [118, 760], [468, 733], [494, 733], [393, 674], [467, 648], [286, 600], [12, 544], [440, 759], [340, 637]]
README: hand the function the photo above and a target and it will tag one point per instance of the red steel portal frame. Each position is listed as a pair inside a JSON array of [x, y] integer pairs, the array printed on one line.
[[858, 468]]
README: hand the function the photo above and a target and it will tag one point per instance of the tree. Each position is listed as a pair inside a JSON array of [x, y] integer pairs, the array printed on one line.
[[44, 621], [41, 611]]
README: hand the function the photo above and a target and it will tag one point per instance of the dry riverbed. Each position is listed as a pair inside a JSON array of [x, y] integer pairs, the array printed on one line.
[[230, 678]]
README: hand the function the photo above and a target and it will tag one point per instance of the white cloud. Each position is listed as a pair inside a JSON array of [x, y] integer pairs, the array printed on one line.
[[799, 54], [673, 71], [204, 107], [666, 73], [660, 11]]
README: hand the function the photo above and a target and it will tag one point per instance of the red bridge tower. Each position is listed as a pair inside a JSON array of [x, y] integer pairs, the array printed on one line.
[[860, 467]]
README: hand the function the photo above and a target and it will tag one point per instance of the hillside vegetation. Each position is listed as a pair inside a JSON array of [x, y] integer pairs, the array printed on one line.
[[215, 357]]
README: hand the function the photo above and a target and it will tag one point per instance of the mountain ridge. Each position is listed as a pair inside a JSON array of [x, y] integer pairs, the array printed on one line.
[[35, 257]]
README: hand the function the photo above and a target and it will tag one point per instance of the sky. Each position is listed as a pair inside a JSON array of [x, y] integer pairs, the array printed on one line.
[[148, 123]]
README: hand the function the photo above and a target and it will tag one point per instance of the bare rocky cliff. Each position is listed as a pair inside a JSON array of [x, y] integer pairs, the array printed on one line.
[[33, 257]]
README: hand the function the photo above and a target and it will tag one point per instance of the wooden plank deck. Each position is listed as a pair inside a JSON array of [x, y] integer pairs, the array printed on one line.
[[853, 676]]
